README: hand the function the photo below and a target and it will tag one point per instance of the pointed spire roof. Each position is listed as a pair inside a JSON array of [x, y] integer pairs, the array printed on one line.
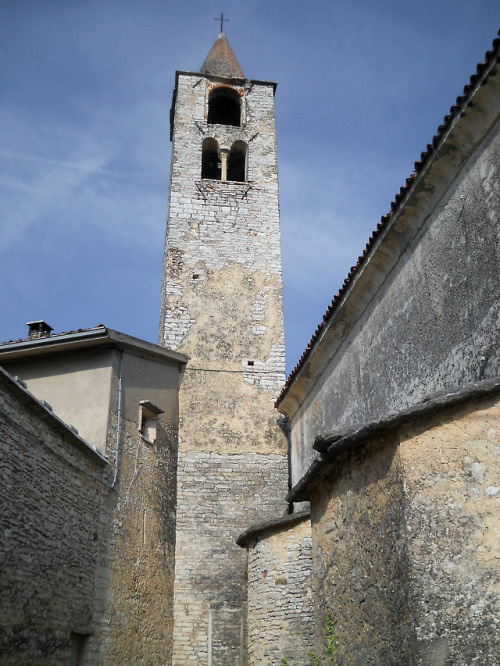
[[221, 60]]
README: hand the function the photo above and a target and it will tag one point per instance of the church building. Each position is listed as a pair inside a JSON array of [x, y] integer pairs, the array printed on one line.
[[183, 503]]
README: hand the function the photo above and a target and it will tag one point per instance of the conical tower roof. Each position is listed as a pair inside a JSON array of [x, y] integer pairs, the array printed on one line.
[[221, 60]]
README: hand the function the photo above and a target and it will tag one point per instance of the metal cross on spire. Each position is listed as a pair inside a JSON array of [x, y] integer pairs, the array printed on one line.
[[222, 20]]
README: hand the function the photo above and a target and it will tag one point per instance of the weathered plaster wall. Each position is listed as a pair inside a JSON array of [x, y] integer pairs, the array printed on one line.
[[148, 378], [452, 498], [280, 605], [406, 544], [222, 306], [78, 385], [50, 486], [77, 388], [359, 559], [430, 321]]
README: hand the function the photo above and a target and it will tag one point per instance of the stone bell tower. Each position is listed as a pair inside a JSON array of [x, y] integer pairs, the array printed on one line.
[[222, 306]]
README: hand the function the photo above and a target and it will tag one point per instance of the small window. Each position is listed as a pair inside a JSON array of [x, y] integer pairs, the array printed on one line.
[[236, 168], [148, 420], [224, 107], [210, 160]]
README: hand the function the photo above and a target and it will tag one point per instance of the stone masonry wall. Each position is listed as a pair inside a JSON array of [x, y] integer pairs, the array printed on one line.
[[136, 598], [219, 495], [125, 547], [280, 604], [452, 506], [134, 583], [406, 545], [223, 251], [359, 558], [222, 306], [50, 486]]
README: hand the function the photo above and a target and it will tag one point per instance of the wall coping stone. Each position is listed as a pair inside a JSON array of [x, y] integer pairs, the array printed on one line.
[[331, 445], [253, 533]]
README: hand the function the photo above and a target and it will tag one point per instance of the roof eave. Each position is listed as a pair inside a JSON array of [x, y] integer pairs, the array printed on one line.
[[88, 339], [301, 375], [333, 445]]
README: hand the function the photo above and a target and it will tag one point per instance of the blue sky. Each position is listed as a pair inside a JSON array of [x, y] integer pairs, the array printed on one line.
[[85, 154]]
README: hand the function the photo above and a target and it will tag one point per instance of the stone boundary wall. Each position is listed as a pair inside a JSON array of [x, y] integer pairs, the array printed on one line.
[[280, 603], [50, 485]]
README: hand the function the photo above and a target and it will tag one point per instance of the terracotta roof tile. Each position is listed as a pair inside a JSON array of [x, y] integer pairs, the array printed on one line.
[[54, 335], [221, 60]]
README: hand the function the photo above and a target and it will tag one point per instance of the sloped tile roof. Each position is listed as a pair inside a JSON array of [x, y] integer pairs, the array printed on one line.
[[221, 60], [55, 335], [462, 100]]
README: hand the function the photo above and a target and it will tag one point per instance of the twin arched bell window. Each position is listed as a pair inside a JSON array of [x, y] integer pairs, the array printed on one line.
[[222, 163]]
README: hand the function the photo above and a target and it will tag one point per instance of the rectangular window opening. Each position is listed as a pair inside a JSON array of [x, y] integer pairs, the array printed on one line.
[[148, 420]]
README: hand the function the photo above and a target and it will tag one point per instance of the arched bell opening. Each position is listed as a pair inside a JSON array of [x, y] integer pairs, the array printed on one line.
[[210, 161], [224, 107], [237, 163]]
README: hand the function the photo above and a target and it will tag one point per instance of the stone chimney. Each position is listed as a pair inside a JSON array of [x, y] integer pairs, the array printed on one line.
[[38, 329]]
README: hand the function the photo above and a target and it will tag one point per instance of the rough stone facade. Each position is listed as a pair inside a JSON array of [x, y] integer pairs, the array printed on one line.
[[453, 525], [218, 494], [406, 543], [138, 600], [280, 602], [222, 306], [115, 525], [51, 483]]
